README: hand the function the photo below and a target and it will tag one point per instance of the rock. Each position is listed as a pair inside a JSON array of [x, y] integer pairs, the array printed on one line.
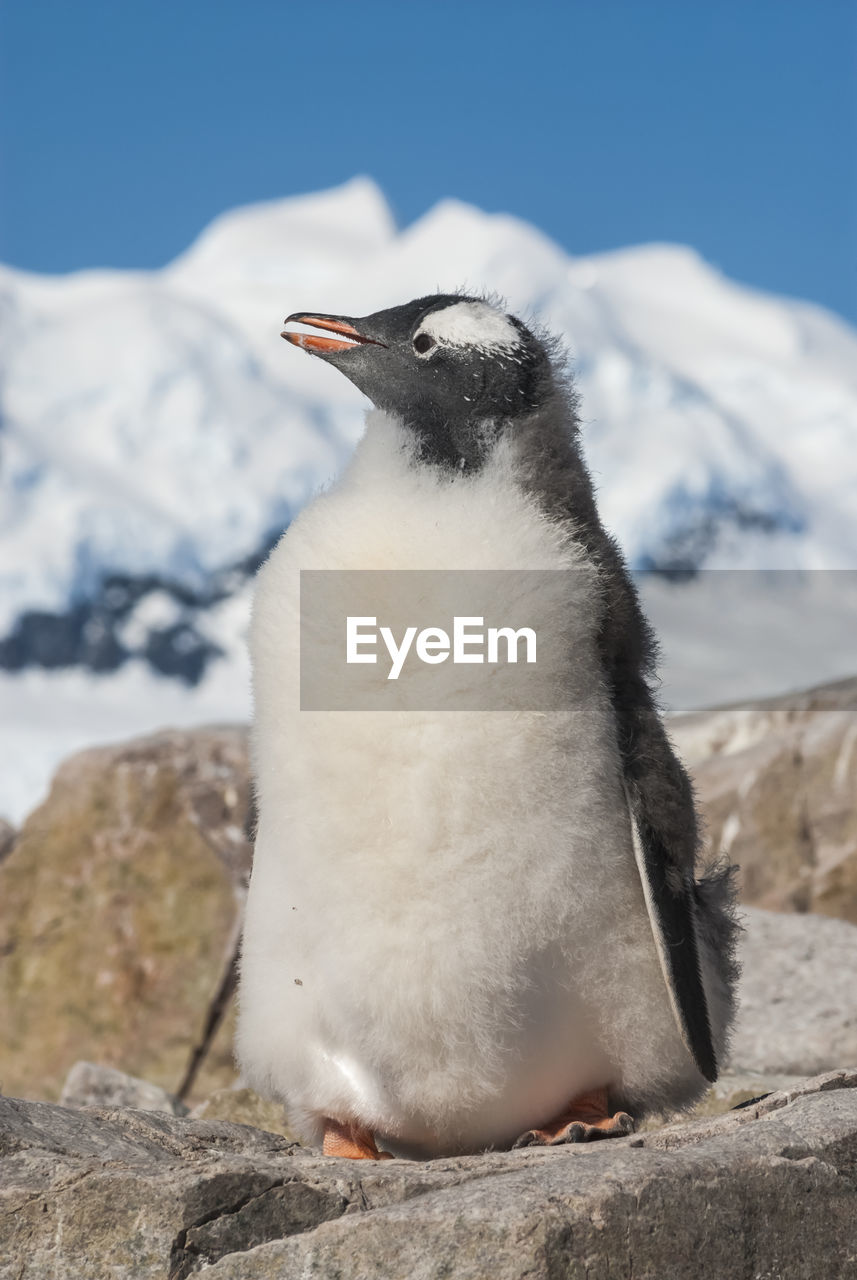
[[766, 1191], [90, 1085], [7, 838], [243, 1106], [777, 783], [798, 1006], [734, 1089], [119, 912]]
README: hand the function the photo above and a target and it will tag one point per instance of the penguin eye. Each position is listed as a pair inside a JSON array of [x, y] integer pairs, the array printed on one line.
[[423, 343]]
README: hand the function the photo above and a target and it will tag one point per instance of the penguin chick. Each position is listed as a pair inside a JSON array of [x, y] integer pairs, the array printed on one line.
[[466, 931]]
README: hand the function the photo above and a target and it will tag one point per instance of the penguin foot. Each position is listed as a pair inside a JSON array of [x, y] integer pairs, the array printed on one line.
[[352, 1141], [586, 1119]]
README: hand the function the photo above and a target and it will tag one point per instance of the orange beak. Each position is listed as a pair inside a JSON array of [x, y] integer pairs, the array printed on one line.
[[311, 342]]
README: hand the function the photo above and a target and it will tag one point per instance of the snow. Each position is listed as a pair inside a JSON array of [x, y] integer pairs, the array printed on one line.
[[156, 423]]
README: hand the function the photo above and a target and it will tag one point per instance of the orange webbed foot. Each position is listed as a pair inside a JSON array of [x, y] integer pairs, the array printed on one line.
[[586, 1119], [352, 1141]]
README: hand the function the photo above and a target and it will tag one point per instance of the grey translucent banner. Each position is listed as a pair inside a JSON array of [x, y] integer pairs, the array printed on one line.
[[733, 635], [527, 640], [457, 640]]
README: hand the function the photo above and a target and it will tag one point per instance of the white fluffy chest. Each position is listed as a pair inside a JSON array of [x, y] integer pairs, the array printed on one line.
[[430, 888]]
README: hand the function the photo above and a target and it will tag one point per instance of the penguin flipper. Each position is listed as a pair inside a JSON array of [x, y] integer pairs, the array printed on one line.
[[672, 913], [661, 805]]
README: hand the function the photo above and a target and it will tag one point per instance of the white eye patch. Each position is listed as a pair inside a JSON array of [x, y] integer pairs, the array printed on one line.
[[471, 324]]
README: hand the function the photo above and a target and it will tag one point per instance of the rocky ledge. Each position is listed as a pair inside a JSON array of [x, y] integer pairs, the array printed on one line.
[[769, 1190]]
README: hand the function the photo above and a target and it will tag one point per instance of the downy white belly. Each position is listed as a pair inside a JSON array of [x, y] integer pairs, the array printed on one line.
[[446, 936]]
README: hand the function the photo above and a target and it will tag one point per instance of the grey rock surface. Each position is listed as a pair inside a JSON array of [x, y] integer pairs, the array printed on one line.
[[767, 1191], [733, 1089], [89, 1084], [798, 994]]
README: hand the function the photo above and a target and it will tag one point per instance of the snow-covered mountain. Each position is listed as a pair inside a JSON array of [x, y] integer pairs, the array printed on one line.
[[156, 434]]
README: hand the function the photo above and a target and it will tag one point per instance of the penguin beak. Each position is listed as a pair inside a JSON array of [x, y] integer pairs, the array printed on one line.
[[349, 336]]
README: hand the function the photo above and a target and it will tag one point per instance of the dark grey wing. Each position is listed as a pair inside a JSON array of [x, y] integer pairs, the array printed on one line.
[[661, 804], [672, 916]]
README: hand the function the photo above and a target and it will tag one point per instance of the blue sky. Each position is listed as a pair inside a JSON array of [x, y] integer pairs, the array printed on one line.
[[728, 126]]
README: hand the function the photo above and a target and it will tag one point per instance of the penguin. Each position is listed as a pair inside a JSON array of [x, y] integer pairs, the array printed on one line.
[[470, 931]]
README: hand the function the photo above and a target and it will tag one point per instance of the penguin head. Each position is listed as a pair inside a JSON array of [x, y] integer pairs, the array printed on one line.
[[456, 370]]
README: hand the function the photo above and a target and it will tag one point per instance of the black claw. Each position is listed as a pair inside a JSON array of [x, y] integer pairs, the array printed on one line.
[[576, 1132]]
